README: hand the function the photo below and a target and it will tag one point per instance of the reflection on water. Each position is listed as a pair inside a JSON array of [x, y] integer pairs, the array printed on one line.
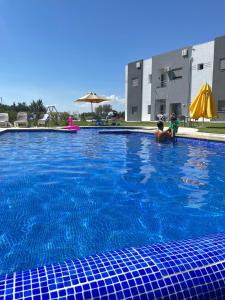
[[146, 169], [195, 175]]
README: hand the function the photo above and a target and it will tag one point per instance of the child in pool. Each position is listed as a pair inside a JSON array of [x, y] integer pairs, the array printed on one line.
[[161, 135], [173, 125]]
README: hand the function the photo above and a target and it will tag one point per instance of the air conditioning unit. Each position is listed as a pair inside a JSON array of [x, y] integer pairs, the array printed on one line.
[[138, 65], [184, 52]]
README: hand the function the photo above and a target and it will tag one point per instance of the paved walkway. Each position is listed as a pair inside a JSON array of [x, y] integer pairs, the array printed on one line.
[[194, 133]]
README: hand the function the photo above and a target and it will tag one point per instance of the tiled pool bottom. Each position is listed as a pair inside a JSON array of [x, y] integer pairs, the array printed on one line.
[[192, 269]]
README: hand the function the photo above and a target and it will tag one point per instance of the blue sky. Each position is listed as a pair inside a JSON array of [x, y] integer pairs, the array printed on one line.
[[58, 50]]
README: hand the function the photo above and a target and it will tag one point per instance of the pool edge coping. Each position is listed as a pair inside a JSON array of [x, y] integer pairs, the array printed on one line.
[[182, 269], [131, 129]]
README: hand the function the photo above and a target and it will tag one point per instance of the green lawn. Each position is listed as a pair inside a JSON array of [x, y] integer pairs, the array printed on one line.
[[211, 127], [118, 123], [202, 127], [148, 124]]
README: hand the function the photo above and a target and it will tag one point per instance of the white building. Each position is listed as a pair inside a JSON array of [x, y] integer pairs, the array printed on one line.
[[169, 82]]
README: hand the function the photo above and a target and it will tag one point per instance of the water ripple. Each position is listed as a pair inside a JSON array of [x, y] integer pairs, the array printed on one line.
[[66, 196]]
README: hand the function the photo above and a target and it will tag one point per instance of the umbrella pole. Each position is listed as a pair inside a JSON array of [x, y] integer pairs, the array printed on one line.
[[92, 107]]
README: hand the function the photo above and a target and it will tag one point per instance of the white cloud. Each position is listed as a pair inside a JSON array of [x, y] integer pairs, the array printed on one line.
[[117, 102]]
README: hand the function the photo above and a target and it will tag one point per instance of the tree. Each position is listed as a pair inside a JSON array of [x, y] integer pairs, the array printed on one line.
[[64, 118], [98, 110], [106, 108], [22, 106], [37, 108], [103, 109]]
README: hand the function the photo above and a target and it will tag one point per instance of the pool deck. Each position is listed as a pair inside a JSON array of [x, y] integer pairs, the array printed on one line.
[[183, 131], [190, 133]]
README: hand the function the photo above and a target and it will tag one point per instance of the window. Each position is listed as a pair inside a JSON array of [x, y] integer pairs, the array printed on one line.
[[160, 106], [222, 64], [200, 66], [149, 78], [134, 110], [162, 80], [175, 74], [162, 109], [149, 109], [175, 108], [221, 105], [135, 81]]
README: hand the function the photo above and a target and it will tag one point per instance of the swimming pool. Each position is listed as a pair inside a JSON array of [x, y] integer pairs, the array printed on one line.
[[65, 196]]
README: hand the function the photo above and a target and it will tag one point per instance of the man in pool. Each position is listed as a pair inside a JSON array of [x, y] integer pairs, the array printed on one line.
[[160, 135]]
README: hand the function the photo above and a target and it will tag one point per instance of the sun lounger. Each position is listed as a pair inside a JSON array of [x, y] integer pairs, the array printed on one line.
[[44, 120], [21, 119], [4, 120]]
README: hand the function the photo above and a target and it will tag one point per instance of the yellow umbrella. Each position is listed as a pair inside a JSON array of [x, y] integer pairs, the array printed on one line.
[[204, 105], [91, 98]]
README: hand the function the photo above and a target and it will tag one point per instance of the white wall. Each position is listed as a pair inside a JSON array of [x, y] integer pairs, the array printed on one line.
[[126, 88], [203, 53], [146, 89]]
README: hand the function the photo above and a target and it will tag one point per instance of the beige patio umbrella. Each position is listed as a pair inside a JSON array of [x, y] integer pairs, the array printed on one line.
[[92, 98]]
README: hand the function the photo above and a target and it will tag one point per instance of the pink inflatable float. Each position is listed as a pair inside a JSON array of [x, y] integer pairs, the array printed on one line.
[[71, 126]]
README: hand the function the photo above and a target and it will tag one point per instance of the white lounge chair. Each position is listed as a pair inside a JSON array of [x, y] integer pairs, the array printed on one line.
[[21, 119], [43, 120], [4, 120]]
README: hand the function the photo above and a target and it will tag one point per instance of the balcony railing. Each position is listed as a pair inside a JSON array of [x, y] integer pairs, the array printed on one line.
[[162, 84]]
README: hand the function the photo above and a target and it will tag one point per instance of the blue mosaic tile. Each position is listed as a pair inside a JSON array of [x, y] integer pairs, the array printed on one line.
[[192, 269], [203, 142]]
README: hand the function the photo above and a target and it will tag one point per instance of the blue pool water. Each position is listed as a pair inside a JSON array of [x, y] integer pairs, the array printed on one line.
[[64, 196]]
